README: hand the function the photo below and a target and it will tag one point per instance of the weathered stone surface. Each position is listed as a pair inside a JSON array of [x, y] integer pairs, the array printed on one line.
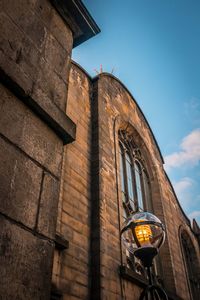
[[19, 57], [34, 57], [20, 185], [35, 50], [38, 66], [23, 14], [26, 262], [74, 206], [49, 86], [48, 206], [42, 144], [62, 32], [55, 54], [26, 130]]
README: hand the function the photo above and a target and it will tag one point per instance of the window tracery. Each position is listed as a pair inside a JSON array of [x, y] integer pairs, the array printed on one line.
[[135, 185]]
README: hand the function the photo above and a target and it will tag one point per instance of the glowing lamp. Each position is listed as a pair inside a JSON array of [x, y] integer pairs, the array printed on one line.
[[143, 230], [143, 234]]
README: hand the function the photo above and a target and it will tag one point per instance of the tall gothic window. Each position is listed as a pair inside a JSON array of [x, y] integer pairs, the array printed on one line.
[[135, 187]]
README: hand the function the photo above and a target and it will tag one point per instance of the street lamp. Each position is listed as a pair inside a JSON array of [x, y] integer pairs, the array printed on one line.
[[143, 234]]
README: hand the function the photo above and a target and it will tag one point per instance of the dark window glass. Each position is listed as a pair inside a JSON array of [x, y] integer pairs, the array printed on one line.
[[122, 183], [122, 172], [148, 205], [138, 178], [130, 192]]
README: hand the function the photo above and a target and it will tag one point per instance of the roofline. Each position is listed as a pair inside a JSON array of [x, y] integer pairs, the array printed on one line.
[[76, 15], [93, 79], [187, 219], [82, 69], [121, 83]]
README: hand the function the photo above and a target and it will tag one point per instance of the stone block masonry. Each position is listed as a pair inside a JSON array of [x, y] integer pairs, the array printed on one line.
[[35, 50], [91, 210], [71, 270], [61, 208]]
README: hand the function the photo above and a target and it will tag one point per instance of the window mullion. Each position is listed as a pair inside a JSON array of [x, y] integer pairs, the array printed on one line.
[[125, 175], [134, 182], [143, 189], [126, 194]]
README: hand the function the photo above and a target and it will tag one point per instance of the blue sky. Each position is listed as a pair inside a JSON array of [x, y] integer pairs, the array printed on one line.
[[154, 48]]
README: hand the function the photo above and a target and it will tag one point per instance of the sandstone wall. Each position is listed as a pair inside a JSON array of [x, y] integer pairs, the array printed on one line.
[[90, 210], [35, 49], [118, 110], [71, 269]]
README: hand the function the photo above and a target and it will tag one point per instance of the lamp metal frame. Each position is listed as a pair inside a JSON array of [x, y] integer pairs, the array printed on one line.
[[146, 255]]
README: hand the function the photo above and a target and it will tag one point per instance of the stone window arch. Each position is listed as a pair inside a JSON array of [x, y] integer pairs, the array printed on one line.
[[191, 264], [135, 183]]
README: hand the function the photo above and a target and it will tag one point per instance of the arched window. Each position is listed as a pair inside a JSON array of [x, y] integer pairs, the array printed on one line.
[[135, 186], [192, 265]]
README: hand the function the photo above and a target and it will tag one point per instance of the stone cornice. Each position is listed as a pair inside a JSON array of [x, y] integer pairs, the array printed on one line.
[[78, 18]]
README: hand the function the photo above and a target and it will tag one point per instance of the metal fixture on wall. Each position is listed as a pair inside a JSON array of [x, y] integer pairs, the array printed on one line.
[[143, 234]]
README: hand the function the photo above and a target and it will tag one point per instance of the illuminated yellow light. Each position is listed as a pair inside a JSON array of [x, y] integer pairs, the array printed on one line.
[[143, 234]]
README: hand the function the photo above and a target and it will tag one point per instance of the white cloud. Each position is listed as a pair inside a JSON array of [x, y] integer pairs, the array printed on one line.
[[183, 189], [183, 185], [189, 201], [189, 154]]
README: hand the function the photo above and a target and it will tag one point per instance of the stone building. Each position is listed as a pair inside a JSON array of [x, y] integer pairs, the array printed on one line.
[[77, 156]]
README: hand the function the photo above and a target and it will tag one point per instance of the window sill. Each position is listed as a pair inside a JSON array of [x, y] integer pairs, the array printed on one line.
[[132, 276]]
